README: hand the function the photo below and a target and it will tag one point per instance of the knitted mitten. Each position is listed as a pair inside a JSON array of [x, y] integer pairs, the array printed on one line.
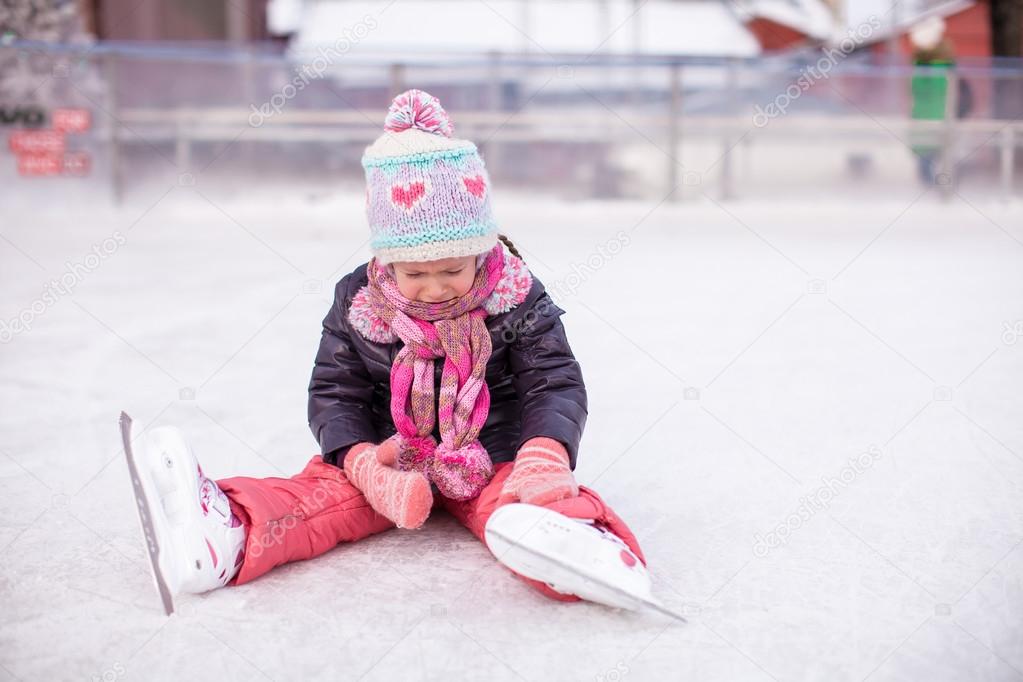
[[540, 475], [404, 497]]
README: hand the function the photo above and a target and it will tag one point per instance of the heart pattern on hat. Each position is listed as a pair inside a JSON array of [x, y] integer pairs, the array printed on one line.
[[408, 195], [476, 185]]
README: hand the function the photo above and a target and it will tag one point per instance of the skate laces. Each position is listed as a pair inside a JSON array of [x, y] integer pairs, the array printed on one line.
[[214, 502], [612, 537], [605, 532]]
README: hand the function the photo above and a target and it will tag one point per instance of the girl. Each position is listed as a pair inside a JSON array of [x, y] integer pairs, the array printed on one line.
[[443, 308]]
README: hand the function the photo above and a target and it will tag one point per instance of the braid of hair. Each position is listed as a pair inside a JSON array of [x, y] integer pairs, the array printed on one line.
[[511, 247]]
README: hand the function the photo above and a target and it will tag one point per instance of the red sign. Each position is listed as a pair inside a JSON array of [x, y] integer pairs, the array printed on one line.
[[40, 164], [72, 120], [36, 142], [44, 152], [35, 164]]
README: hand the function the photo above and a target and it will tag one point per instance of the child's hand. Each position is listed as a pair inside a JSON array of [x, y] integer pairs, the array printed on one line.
[[540, 475], [404, 497]]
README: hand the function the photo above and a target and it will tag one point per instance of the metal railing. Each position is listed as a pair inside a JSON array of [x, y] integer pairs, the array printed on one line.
[[623, 125]]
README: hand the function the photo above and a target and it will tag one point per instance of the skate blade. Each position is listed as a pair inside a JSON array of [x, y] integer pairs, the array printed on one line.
[[662, 609], [641, 602], [145, 517]]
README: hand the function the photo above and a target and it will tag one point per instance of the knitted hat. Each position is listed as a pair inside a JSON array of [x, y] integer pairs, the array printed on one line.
[[427, 193]]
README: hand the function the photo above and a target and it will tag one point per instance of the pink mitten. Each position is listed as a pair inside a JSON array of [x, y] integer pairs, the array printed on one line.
[[404, 497], [540, 475]]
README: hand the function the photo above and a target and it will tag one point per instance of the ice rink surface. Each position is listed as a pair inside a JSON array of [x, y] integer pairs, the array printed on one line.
[[737, 357]]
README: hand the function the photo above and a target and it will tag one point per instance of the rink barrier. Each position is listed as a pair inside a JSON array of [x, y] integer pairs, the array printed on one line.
[[652, 105]]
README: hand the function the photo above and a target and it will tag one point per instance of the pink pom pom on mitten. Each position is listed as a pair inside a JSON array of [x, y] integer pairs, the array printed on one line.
[[404, 497], [461, 474], [540, 475]]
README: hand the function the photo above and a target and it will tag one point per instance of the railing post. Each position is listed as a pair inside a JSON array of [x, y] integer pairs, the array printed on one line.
[[637, 53], [946, 177], [674, 134], [109, 66], [397, 79], [1008, 157], [727, 184], [493, 147], [182, 145]]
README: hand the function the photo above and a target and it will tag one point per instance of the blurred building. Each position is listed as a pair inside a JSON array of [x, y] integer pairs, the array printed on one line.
[[966, 21], [786, 24], [215, 20], [711, 28]]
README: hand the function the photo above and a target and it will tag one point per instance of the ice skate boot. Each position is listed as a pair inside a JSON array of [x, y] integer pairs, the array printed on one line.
[[573, 556], [195, 543]]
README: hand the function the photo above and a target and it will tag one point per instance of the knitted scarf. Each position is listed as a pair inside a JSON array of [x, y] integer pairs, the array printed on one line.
[[454, 330]]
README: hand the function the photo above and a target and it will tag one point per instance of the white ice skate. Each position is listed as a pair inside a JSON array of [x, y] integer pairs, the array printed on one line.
[[194, 542], [572, 556]]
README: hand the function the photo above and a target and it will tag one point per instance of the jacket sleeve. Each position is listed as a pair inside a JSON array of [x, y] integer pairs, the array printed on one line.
[[547, 378], [340, 390]]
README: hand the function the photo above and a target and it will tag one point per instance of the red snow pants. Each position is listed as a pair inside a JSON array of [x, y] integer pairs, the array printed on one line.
[[297, 518]]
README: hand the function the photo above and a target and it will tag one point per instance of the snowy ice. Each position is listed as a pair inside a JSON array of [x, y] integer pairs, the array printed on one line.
[[808, 412]]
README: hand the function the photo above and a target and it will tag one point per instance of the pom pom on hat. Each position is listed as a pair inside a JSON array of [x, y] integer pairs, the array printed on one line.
[[418, 109]]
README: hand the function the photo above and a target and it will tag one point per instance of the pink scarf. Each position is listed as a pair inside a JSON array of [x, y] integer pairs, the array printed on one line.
[[455, 330]]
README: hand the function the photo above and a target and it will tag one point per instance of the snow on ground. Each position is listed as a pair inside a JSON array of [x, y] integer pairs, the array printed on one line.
[[737, 357]]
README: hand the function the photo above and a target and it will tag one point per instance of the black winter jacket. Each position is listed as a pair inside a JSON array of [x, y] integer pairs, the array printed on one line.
[[536, 384]]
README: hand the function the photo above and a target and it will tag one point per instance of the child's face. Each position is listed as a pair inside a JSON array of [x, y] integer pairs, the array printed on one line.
[[435, 281]]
